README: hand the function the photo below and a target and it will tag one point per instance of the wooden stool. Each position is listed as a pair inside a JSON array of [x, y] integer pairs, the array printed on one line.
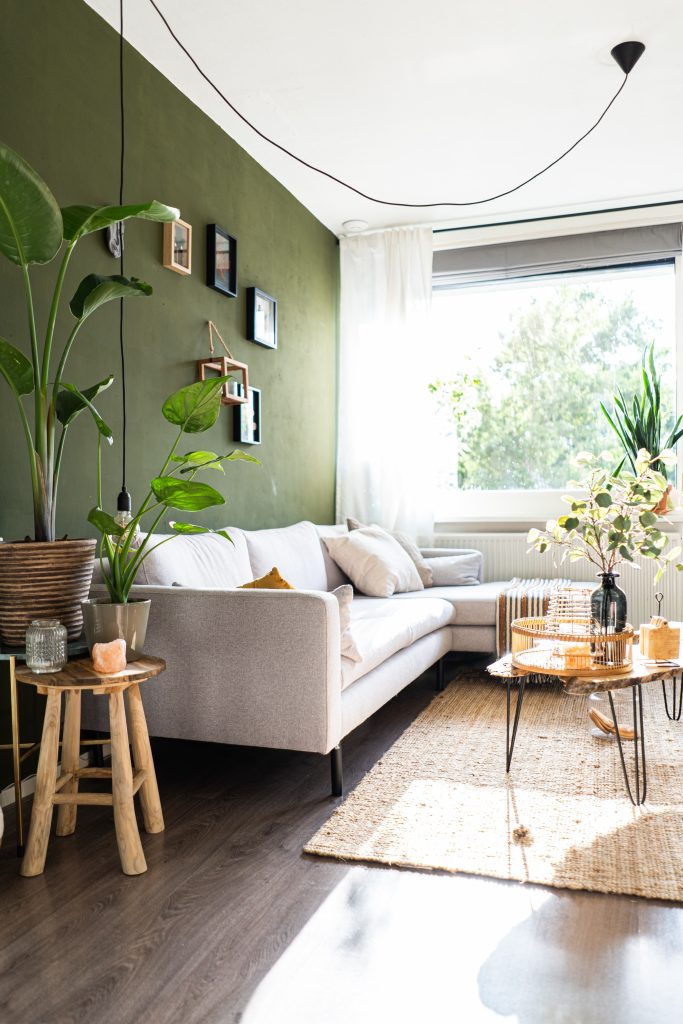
[[75, 677]]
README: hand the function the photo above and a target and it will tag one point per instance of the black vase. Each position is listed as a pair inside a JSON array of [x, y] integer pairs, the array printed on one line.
[[608, 605]]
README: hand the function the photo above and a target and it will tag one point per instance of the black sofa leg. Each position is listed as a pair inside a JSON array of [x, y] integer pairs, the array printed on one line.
[[440, 680], [336, 769]]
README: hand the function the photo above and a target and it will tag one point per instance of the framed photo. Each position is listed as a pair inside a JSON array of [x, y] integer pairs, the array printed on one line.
[[221, 260], [247, 418], [261, 318], [177, 253]]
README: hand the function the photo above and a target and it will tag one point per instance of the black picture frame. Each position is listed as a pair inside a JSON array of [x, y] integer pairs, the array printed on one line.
[[261, 318], [221, 260], [247, 418]]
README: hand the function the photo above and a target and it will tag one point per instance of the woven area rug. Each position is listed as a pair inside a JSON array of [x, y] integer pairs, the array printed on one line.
[[440, 798]]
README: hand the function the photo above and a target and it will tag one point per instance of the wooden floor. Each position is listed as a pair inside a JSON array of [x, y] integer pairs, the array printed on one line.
[[231, 923]]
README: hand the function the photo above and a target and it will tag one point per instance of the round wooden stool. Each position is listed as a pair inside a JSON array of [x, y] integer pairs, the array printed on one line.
[[72, 680]]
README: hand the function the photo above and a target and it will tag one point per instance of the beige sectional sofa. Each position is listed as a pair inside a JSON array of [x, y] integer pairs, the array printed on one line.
[[264, 667]]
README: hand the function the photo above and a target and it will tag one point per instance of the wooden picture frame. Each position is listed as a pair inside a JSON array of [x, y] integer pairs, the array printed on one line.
[[232, 392], [177, 250], [261, 318], [247, 418], [221, 260]]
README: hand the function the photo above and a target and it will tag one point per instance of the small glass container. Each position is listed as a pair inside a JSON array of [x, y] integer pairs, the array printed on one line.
[[46, 645]]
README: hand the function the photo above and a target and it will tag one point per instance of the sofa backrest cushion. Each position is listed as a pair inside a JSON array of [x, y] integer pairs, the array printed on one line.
[[336, 577], [205, 561], [295, 550]]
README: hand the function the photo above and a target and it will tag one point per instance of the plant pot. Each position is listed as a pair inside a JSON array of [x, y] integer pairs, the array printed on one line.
[[104, 622], [44, 580]]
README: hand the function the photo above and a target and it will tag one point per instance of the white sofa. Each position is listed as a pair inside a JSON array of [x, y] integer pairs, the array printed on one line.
[[264, 667]]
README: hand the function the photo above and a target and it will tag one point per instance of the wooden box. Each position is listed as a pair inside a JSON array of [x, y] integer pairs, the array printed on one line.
[[660, 643]]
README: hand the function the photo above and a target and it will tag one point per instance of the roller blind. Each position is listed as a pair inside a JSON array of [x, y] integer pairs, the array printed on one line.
[[564, 254]]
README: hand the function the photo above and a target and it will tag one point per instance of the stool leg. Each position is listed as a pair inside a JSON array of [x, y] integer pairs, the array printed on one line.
[[142, 756], [71, 752], [41, 815], [127, 835]]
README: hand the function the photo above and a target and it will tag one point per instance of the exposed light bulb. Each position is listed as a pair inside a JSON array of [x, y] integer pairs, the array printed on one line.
[[124, 515]]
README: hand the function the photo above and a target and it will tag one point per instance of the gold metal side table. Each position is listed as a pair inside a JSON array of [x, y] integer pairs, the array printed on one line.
[[22, 751]]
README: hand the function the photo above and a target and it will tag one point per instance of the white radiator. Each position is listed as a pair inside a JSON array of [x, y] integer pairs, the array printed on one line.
[[505, 556]]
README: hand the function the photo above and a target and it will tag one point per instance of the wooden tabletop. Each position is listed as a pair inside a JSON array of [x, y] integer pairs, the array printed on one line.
[[80, 674], [640, 671]]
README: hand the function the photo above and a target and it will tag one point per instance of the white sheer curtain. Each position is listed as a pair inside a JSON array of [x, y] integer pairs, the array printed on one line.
[[384, 463]]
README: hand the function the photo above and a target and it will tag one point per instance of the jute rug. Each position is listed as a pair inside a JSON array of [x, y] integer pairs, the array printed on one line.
[[440, 798]]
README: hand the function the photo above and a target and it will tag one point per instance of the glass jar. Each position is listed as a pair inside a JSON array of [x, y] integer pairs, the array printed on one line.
[[46, 645]]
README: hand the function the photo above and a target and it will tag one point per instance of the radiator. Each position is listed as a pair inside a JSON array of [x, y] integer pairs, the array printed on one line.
[[505, 556]]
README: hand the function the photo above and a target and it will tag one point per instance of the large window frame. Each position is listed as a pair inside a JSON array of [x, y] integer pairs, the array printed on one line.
[[495, 510]]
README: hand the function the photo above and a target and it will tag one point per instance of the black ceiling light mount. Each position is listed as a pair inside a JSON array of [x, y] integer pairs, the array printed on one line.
[[626, 55]]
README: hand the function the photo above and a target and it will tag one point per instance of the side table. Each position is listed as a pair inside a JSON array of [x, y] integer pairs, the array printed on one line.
[[63, 791], [12, 655]]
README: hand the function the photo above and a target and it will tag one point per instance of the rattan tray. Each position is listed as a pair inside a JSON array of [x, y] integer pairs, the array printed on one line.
[[537, 649]]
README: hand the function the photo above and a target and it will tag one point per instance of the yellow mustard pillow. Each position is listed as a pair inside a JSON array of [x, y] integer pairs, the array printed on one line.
[[271, 581]]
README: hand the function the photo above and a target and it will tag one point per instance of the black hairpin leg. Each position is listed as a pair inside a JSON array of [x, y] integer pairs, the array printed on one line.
[[440, 679], [640, 771], [510, 744], [676, 689]]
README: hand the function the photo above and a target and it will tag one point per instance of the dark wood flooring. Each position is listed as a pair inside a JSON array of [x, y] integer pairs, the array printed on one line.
[[232, 923]]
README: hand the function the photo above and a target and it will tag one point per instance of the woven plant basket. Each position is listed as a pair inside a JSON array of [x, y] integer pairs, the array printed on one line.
[[46, 580]]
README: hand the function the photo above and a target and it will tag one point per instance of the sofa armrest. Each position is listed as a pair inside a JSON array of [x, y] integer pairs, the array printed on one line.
[[254, 667]]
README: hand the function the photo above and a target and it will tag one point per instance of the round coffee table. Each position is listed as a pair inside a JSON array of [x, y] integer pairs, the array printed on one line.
[[640, 672]]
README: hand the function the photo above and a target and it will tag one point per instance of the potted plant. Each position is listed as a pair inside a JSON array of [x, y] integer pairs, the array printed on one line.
[[123, 549], [47, 577], [615, 521], [638, 422]]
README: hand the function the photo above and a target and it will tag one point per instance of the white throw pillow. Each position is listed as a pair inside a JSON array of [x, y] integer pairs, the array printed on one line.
[[375, 563], [456, 570], [408, 545], [344, 595]]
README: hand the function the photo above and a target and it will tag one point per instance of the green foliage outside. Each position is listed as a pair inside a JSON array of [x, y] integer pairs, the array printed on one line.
[[519, 422]]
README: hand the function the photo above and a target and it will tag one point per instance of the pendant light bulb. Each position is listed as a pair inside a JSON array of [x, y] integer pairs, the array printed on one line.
[[124, 514]]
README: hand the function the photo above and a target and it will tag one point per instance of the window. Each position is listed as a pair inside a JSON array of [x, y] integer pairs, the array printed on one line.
[[521, 366]]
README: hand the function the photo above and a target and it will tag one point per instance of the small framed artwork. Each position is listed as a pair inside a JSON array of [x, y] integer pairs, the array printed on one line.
[[261, 318], [178, 247], [221, 260], [247, 418]]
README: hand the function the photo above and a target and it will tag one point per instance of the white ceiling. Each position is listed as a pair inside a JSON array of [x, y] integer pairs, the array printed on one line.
[[436, 99]]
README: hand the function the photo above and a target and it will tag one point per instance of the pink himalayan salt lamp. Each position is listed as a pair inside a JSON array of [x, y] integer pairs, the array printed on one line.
[[109, 658]]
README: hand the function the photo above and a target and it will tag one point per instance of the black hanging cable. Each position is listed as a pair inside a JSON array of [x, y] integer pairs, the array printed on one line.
[[631, 60], [123, 503]]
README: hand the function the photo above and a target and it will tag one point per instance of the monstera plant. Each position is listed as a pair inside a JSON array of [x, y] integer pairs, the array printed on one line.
[[33, 230]]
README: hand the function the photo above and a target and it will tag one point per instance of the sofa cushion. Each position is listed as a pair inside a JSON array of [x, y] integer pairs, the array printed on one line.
[[376, 564], [472, 606], [462, 570], [205, 561], [382, 626], [408, 545], [344, 595], [295, 550], [335, 576]]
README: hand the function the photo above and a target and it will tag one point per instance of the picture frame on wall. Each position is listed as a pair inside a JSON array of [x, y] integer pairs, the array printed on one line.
[[221, 260], [261, 318], [177, 249], [247, 417]]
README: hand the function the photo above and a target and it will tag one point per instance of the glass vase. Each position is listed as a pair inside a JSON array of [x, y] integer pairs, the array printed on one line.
[[46, 641], [608, 605]]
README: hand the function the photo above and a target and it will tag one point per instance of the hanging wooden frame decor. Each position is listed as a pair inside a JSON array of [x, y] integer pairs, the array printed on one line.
[[220, 366]]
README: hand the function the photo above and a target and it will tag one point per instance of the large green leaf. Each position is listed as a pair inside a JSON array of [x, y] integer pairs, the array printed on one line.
[[30, 219], [210, 460], [190, 528], [195, 408], [16, 369], [82, 220], [186, 495], [69, 403], [87, 404], [104, 522], [94, 290]]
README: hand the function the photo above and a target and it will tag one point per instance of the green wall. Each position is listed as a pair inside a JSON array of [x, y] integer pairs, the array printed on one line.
[[59, 83], [59, 80]]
